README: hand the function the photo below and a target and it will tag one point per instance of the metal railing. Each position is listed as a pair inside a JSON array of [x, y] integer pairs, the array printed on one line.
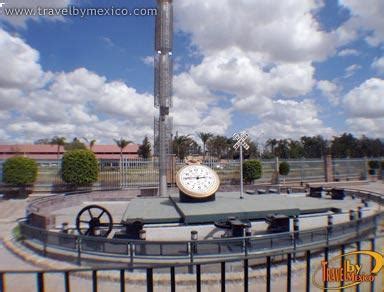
[[197, 271], [135, 173], [203, 248], [191, 250]]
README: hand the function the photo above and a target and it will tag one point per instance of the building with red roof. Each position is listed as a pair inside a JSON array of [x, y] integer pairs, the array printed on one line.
[[49, 152]]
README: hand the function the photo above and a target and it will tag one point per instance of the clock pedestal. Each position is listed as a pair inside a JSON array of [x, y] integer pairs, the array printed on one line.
[[195, 199]]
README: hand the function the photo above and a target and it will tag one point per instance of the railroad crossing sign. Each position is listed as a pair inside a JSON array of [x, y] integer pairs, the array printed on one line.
[[241, 139], [241, 143]]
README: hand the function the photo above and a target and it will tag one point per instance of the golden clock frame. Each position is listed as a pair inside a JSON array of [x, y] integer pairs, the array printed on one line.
[[191, 196]]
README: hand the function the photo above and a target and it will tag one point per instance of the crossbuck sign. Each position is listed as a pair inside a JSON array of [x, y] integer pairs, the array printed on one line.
[[241, 142], [241, 139]]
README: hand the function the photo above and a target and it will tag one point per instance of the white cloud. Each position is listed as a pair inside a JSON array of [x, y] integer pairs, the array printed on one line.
[[260, 55], [244, 74], [351, 70], [365, 108], [20, 21], [378, 64], [330, 90], [82, 103], [366, 126], [348, 52], [148, 60], [365, 16], [20, 62], [366, 100], [280, 30], [35, 104], [195, 108], [291, 119]]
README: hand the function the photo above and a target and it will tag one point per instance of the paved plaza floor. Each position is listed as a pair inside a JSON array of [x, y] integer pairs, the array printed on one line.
[[11, 210]]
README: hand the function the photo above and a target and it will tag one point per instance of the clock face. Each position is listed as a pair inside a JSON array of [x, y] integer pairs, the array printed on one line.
[[197, 180]]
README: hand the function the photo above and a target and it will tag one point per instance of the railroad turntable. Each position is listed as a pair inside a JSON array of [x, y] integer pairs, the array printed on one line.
[[199, 206]]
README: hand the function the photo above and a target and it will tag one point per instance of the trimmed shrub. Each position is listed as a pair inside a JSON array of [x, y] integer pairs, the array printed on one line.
[[19, 171], [79, 168], [374, 164], [284, 168], [252, 170]]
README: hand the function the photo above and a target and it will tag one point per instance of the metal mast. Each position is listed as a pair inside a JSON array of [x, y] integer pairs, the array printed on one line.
[[163, 84]]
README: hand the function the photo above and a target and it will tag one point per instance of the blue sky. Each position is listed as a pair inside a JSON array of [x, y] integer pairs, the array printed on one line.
[[280, 69]]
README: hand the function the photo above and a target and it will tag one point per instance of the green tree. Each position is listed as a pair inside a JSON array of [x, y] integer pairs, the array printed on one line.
[[296, 149], [219, 146], [19, 171], [282, 148], [314, 147], [43, 141], [204, 138], [76, 144], [91, 143], [252, 170], [271, 143], [144, 150], [59, 141], [80, 167], [184, 145], [284, 169], [122, 143], [344, 146]]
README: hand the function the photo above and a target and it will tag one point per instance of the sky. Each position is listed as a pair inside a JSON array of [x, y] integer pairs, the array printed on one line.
[[276, 69]]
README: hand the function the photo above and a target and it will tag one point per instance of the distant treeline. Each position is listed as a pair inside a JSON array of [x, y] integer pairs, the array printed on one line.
[[219, 146], [342, 146]]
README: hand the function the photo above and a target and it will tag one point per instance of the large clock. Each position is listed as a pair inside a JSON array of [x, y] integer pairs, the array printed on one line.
[[197, 183]]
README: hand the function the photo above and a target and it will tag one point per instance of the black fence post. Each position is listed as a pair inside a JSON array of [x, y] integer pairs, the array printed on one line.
[[122, 280], [246, 275], [268, 274], [308, 271], [198, 278], [342, 251], [173, 280], [289, 271], [40, 282], [67, 287], [94, 281], [149, 280], [222, 276]]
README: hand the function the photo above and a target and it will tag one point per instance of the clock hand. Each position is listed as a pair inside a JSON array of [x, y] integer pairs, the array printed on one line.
[[195, 177]]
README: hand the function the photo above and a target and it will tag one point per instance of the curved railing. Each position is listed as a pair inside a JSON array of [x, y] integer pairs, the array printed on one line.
[[134, 250]]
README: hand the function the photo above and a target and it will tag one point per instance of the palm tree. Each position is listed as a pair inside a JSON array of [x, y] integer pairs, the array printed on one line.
[[272, 143], [204, 138], [90, 143], [122, 143], [59, 141]]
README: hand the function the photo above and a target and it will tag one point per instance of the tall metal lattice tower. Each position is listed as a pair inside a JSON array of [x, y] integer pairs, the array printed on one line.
[[163, 86]]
